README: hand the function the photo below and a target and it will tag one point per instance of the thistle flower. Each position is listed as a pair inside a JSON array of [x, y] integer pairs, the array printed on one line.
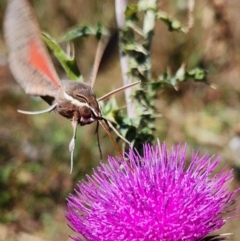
[[160, 199]]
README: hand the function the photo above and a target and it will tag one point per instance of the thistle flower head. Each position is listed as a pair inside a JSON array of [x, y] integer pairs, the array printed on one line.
[[160, 199]]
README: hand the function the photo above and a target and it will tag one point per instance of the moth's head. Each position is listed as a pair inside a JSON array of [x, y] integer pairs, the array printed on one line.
[[89, 111], [83, 102]]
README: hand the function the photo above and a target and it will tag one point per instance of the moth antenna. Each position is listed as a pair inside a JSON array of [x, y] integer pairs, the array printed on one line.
[[117, 90], [116, 132], [72, 142], [98, 140], [100, 50], [50, 108]]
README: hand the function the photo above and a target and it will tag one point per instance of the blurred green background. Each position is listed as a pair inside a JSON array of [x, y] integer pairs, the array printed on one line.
[[34, 156]]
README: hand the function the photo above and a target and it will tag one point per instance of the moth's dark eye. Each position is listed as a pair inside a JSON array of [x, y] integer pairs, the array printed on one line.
[[85, 112]]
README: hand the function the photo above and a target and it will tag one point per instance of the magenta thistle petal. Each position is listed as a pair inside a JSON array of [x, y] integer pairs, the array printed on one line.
[[163, 199]]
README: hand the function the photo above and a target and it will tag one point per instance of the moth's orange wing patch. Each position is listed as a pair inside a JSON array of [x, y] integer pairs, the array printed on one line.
[[37, 60]]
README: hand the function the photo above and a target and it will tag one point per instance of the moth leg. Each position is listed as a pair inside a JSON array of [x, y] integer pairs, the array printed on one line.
[[74, 124], [116, 132], [50, 108], [98, 140]]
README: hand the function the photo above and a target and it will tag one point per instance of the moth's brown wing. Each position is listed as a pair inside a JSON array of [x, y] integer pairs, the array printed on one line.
[[28, 58]]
